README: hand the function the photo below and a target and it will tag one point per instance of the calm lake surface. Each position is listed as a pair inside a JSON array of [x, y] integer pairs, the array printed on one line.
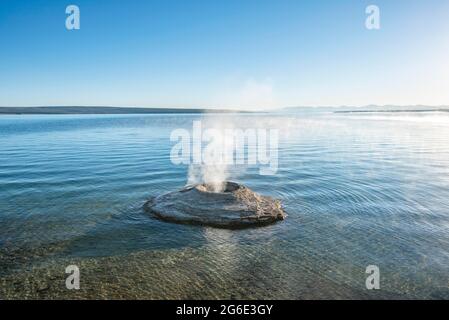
[[359, 190]]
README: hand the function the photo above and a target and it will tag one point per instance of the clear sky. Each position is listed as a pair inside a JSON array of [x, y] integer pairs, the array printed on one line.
[[224, 53]]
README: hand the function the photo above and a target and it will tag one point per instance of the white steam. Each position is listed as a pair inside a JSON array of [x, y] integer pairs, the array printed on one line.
[[217, 155]]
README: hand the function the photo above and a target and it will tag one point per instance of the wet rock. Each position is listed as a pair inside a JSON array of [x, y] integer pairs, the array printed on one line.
[[236, 207]]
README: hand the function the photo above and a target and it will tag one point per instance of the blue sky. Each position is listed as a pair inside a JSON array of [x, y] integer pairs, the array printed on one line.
[[210, 53]]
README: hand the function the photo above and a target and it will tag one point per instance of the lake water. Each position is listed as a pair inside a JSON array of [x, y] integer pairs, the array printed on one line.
[[359, 190]]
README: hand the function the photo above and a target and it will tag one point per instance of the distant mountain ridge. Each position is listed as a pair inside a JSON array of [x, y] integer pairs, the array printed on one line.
[[369, 108], [140, 110], [105, 110]]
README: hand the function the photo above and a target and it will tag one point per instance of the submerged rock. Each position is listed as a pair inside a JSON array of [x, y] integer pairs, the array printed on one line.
[[235, 207]]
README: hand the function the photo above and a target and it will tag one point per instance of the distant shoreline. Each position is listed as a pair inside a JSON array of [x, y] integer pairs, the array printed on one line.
[[390, 111], [140, 110], [105, 110]]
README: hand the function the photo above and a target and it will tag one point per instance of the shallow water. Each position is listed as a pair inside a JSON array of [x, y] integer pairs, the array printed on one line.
[[359, 189]]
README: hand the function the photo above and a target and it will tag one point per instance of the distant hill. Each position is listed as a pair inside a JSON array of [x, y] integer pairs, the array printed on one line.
[[369, 108], [135, 110], [103, 110]]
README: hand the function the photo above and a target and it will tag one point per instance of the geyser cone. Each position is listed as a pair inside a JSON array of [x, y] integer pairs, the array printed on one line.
[[235, 207]]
